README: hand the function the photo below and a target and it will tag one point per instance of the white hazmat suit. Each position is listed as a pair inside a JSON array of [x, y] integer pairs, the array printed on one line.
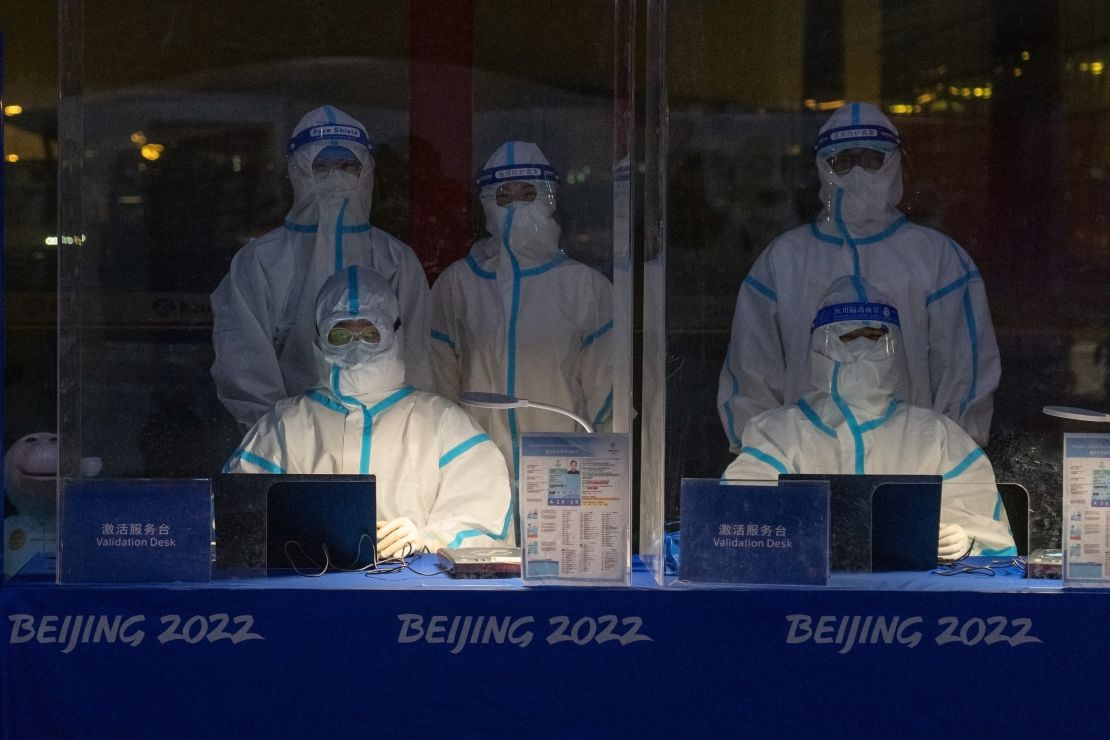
[[519, 317], [262, 322], [857, 423], [950, 343], [439, 477]]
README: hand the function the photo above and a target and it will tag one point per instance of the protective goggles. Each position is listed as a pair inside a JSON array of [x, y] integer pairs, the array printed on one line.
[[340, 336], [843, 161]]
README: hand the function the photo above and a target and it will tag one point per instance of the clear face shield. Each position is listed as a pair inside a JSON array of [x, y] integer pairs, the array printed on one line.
[[851, 341], [856, 350]]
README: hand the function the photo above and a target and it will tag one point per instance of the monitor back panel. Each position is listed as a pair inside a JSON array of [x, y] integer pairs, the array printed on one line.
[[240, 503], [851, 515], [320, 522]]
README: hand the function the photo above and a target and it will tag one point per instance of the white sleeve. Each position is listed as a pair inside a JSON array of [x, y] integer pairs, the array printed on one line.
[[595, 363], [754, 373], [263, 450], [761, 457], [970, 498], [964, 365], [472, 506], [413, 294], [248, 378], [443, 342]]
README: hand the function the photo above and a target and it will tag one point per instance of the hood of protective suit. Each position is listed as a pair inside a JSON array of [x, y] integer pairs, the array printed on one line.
[[859, 202], [524, 233], [319, 199], [368, 371], [864, 374]]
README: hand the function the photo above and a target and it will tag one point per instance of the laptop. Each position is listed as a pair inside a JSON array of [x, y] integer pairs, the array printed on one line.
[[881, 522], [257, 515]]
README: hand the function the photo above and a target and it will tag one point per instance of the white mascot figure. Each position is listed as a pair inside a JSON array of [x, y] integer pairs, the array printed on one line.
[[30, 485]]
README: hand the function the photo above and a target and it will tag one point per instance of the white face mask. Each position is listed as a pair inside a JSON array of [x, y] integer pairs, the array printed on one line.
[[334, 184]]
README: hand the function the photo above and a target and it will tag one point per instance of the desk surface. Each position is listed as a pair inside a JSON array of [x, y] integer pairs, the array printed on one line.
[[903, 654], [424, 572]]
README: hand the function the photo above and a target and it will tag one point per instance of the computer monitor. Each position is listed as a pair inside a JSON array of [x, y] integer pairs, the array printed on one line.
[[881, 522], [257, 515]]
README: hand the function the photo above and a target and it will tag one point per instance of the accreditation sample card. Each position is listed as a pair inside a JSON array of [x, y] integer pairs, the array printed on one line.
[[575, 509], [1086, 511]]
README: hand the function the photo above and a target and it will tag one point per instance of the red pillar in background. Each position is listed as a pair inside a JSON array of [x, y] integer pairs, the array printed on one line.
[[441, 50]]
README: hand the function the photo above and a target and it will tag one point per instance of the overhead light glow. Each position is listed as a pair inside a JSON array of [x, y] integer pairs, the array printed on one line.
[[13, 110], [13, 158], [1096, 68], [152, 151]]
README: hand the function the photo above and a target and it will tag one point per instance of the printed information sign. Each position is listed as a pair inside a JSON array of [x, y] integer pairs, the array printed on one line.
[[1086, 515], [575, 509]]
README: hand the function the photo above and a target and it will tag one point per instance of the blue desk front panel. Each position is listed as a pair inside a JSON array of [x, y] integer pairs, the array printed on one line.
[[415, 656]]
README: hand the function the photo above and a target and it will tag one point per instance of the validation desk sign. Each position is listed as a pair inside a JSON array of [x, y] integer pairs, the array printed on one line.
[[753, 534], [135, 531]]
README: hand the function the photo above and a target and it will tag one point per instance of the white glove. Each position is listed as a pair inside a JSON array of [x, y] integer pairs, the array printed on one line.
[[399, 536], [952, 542]]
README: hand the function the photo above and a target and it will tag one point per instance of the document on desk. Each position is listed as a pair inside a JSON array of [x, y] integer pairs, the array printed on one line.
[[575, 509], [1086, 515]]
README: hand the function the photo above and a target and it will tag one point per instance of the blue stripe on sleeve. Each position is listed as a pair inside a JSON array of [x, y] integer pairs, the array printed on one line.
[[440, 336], [973, 338], [814, 418], [964, 464], [461, 448], [734, 438], [256, 460], [480, 532], [763, 457], [952, 286], [761, 288], [604, 410], [590, 339]]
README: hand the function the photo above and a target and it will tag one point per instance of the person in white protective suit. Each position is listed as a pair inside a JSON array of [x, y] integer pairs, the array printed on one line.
[[950, 342], [262, 321], [519, 317], [858, 422], [441, 482]]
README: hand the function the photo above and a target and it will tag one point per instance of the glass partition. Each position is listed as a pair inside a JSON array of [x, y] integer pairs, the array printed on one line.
[[175, 127], [998, 109]]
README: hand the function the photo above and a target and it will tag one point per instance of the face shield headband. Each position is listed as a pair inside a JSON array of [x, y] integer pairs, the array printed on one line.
[[330, 132], [498, 175], [864, 312], [850, 137]]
